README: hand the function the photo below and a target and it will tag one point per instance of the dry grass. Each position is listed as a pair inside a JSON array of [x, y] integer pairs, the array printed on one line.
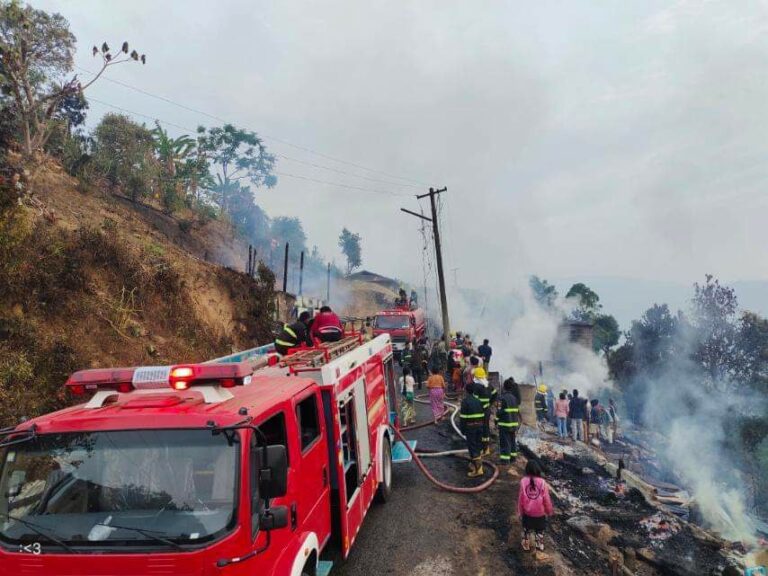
[[98, 284]]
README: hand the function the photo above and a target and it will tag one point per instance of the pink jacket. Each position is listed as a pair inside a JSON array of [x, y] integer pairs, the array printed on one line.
[[534, 501], [561, 408]]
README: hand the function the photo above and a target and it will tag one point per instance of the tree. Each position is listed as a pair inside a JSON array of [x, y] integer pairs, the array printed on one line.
[[543, 292], [351, 248], [606, 333], [248, 217], [237, 155], [124, 155], [652, 343], [36, 50], [589, 301], [714, 317], [285, 229], [174, 155], [752, 351]]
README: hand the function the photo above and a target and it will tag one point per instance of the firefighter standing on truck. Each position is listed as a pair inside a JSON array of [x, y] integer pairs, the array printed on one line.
[[293, 335], [471, 415], [508, 421]]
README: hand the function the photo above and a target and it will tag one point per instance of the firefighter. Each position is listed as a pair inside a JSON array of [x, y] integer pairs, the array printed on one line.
[[471, 416], [508, 421], [406, 357], [293, 335], [327, 326], [540, 402], [485, 393]]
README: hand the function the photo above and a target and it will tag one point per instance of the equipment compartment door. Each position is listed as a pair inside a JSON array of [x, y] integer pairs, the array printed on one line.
[[363, 434]]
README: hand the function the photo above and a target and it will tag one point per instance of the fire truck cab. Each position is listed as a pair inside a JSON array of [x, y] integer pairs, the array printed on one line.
[[402, 324], [250, 464]]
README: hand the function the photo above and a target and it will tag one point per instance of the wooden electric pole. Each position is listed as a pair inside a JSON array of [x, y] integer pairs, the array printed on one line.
[[438, 255]]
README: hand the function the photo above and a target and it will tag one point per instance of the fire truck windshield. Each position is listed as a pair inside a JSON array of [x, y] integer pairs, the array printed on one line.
[[119, 489], [391, 322]]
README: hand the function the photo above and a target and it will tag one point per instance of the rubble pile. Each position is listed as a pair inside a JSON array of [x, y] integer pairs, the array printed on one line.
[[605, 526]]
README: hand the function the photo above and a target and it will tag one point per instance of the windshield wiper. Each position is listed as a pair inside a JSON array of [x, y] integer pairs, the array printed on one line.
[[151, 534], [40, 531], [7, 437]]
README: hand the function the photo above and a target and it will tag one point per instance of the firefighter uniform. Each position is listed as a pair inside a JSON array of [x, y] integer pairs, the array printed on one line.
[[291, 336], [471, 415], [487, 395], [508, 421], [540, 402]]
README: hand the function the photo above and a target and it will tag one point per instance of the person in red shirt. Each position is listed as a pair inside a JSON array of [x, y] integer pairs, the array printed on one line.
[[327, 326]]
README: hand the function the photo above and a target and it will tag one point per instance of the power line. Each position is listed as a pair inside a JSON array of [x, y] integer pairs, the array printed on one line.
[[283, 156], [340, 185], [280, 140], [300, 177]]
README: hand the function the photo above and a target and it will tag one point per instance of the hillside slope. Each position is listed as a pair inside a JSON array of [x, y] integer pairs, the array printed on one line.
[[87, 279]]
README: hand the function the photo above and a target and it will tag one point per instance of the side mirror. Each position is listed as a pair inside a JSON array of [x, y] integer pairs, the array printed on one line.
[[274, 518], [273, 472]]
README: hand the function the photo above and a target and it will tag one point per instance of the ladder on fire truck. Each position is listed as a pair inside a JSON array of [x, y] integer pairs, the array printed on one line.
[[322, 353], [305, 356]]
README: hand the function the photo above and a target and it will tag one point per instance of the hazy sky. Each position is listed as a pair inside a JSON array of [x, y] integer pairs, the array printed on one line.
[[575, 138]]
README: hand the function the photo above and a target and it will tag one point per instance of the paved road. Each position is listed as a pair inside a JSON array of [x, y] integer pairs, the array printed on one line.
[[424, 531]]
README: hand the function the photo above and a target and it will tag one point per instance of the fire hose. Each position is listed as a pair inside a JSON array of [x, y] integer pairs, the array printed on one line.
[[419, 454]]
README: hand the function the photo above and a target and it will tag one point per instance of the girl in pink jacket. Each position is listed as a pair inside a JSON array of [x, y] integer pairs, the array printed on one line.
[[533, 505]]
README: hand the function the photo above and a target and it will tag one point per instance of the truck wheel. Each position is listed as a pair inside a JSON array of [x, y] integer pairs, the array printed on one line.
[[385, 486]]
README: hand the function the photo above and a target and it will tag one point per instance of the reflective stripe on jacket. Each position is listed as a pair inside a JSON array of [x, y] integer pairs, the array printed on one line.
[[508, 414], [292, 335], [471, 413]]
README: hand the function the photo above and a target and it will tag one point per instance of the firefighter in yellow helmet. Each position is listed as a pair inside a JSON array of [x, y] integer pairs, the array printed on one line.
[[540, 402], [487, 395]]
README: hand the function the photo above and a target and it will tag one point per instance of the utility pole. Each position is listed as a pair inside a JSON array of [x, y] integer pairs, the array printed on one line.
[[439, 256], [328, 287], [285, 270], [301, 273]]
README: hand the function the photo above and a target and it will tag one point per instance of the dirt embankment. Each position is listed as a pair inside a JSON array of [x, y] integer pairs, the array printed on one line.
[[87, 279]]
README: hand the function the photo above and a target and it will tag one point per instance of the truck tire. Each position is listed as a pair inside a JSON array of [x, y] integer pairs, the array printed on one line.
[[384, 491]]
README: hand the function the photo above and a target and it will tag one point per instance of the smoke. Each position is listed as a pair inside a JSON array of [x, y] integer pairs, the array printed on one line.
[[693, 442], [527, 337]]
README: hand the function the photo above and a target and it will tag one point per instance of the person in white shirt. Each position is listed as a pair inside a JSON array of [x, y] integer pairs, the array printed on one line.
[[406, 390]]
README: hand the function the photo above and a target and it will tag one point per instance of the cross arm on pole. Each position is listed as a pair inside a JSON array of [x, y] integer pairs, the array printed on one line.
[[432, 191], [416, 214]]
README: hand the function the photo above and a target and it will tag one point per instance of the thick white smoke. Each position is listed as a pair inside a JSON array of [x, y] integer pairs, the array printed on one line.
[[524, 336], [693, 421]]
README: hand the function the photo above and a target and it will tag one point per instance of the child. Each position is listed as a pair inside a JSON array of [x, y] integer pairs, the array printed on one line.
[[436, 387], [533, 505], [406, 389]]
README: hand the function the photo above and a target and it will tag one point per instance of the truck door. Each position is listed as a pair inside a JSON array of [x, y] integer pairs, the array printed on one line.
[[313, 510]]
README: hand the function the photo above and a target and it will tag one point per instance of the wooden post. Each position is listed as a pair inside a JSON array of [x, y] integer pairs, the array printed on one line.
[[301, 272], [285, 269]]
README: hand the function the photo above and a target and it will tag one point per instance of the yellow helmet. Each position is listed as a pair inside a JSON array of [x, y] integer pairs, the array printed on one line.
[[480, 373], [543, 388]]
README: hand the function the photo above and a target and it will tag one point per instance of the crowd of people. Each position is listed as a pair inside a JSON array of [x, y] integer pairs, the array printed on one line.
[[577, 417], [461, 369]]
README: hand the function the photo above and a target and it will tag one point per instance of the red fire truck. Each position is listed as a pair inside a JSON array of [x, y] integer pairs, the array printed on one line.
[[250, 464], [402, 324]]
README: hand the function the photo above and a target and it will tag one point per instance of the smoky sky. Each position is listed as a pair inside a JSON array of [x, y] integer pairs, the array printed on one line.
[[575, 138]]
